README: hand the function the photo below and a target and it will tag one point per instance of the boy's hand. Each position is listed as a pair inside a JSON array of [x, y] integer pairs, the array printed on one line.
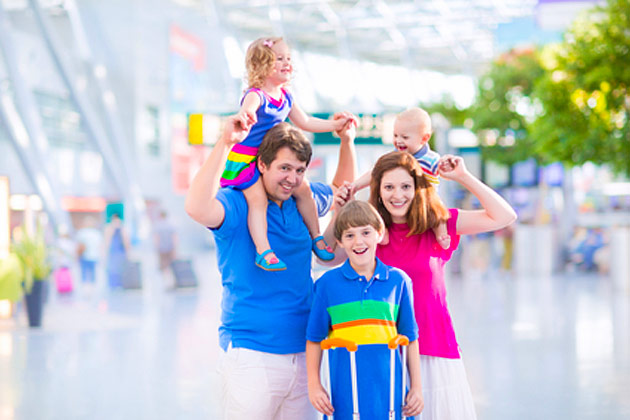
[[320, 400], [414, 403]]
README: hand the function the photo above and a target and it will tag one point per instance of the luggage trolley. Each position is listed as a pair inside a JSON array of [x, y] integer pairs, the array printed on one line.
[[394, 343]]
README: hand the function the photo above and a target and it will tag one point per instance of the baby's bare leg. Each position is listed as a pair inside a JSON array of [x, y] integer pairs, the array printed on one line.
[[442, 236], [257, 217]]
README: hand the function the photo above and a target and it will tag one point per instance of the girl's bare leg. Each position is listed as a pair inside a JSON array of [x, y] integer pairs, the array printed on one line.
[[307, 208], [257, 219]]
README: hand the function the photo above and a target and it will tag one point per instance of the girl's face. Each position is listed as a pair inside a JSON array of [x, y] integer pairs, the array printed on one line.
[[283, 68], [397, 192]]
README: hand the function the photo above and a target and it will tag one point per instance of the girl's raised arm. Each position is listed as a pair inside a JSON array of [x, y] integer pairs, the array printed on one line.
[[313, 124]]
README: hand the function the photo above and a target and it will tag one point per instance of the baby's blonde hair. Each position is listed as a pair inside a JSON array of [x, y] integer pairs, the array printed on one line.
[[418, 116], [259, 60]]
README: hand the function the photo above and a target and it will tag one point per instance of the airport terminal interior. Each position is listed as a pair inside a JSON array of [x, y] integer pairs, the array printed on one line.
[[109, 108]]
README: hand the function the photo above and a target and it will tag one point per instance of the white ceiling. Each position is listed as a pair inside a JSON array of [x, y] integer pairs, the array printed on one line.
[[451, 36]]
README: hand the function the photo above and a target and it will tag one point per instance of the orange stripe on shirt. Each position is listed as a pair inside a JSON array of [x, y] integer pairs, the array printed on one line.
[[359, 322]]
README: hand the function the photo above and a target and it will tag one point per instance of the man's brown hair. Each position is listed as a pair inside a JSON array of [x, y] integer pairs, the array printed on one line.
[[284, 135]]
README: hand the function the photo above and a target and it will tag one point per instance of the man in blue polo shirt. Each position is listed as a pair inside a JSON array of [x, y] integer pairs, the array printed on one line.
[[264, 314]]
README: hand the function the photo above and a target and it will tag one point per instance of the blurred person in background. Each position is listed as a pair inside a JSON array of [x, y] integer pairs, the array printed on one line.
[[64, 257], [117, 247], [165, 240], [583, 254], [89, 248]]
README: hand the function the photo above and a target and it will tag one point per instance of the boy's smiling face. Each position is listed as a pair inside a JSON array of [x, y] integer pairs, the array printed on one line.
[[360, 246]]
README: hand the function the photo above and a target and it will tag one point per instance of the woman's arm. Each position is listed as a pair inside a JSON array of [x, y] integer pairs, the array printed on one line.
[[496, 212], [316, 392], [414, 403], [201, 202]]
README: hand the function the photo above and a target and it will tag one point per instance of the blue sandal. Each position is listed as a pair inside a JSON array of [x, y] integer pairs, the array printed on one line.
[[322, 254], [262, 262]]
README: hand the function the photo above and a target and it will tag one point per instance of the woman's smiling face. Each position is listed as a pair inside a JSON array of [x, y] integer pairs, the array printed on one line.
[[397, 192]]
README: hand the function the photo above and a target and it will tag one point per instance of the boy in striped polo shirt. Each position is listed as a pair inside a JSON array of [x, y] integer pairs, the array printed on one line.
[[412, 131], [368, 303]]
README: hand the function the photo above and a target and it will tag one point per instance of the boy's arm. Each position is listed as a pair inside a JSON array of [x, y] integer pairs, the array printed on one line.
[[313, 124], [201, 200], [316, 392], [414, 403]]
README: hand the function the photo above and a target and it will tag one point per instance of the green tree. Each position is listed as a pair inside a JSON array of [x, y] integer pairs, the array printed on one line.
[[504, 107], [584, 92]]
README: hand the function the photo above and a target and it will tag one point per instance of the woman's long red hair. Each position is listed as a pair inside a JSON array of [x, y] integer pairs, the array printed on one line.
[[426, 210]]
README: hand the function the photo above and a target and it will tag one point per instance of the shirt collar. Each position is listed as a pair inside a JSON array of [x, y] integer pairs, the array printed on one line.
[[380, 271], [423, 151]]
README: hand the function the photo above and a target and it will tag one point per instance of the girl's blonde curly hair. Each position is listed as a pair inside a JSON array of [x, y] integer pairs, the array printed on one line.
[[259, 60]]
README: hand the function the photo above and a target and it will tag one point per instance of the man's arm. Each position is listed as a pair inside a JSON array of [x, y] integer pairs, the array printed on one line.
[[347, 165], [201, 201]]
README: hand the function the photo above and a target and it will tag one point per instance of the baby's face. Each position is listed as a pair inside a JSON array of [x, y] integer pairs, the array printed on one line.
[[409, 135]]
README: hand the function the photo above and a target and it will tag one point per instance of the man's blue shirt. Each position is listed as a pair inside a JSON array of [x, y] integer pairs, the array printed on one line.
[[263, 310]]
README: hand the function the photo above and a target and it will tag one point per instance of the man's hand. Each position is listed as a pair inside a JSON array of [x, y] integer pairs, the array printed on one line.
[[237, 128], [347, 124]]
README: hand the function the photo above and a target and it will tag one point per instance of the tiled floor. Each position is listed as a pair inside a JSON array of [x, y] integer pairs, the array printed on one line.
[[534, 348]]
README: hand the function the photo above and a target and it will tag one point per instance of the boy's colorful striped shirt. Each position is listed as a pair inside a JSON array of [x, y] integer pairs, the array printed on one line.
[[364, 311], [366, 322]]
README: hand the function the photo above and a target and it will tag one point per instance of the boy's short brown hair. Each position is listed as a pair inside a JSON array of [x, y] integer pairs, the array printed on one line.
[[356, 214]]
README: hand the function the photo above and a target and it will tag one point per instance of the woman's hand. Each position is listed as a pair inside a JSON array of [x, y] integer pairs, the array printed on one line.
[[414, 403], [452, 167], [320, 400]]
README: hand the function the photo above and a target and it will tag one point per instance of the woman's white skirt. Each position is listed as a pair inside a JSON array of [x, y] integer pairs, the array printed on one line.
[[445, 390]]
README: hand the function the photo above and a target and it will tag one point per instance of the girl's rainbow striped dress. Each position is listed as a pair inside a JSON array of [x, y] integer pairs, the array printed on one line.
[[241, 171]]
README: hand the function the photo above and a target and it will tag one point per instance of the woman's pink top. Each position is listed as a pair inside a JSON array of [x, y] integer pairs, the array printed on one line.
[[423, 259]]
